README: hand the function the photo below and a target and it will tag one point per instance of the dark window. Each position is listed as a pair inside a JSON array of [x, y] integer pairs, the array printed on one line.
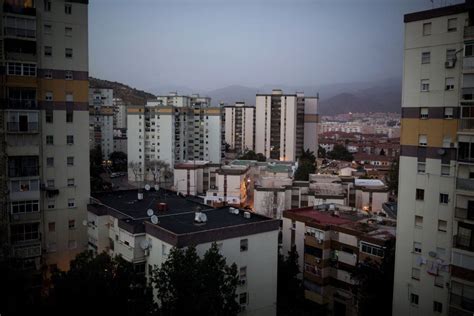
[[69, 116], [318, 253], [49, 116], [420, 194]]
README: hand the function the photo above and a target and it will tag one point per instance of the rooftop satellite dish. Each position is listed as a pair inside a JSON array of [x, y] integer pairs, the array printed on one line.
[[149, 212], [145, 244], [84, 222], [157, 187], [147, 187], [154, 219], [203, 218]]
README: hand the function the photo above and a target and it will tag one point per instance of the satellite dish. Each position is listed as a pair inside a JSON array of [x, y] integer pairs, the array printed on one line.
[[145, 244], [157, 187], [84, 222], [203, 218], [154, 219], [147, 187], [149, 212], [441, 151]]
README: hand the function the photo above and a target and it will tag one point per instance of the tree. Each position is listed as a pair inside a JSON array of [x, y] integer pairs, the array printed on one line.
[[290, 291], [321, 152], [158, 169], [339, 152], [119, 161], [135, 167], [392, 176], [261, 157], [100, 283], [306, 166], [186, 284], [251, 155], [96, 169], [374, 284]]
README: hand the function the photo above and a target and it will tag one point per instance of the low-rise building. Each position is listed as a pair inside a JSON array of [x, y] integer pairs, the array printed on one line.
[[119, 223], [371, 194], [331, 240]]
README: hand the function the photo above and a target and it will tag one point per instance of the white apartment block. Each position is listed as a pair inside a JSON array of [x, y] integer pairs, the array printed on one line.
[[240, 127], [286, 125], [120, 225], [435, 228], [120, 113], [101, 120], [44, 147], [174, 129]]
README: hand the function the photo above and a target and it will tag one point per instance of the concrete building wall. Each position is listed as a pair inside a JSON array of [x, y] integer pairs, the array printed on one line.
[[136, 141]]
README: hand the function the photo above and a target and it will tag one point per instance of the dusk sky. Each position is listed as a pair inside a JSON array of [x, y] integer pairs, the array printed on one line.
[[210, 44]]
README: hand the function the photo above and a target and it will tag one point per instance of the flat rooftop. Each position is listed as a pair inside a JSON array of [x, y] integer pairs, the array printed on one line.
[[178, 217]]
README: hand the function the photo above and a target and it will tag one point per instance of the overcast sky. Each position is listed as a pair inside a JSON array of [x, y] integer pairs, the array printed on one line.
[[210, 44]]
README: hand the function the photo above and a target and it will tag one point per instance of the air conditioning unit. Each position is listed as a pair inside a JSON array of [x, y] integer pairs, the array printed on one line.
[[450, 63]]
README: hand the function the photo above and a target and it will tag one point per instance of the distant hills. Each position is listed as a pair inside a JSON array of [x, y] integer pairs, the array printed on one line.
[[364, 97], [126, 93]]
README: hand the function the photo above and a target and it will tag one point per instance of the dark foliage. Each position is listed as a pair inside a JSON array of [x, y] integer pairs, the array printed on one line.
[[339, 152]]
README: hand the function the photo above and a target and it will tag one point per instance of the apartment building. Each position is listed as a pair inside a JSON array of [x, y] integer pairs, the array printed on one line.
[[44, 145], [174, 129], [331, 241], [287, 125], [101, 120], [240, 127], [120, 113], [120, 224], [435, 248]]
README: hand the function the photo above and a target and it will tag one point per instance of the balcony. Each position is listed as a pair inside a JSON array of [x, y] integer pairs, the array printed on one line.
[[467, 124], [465, 185], [464, 213], [19, 32], [462, 243], [347, 258], [22, 104], [18, 9], [27, 128], [468, 32], [27, 250], [461, 305]]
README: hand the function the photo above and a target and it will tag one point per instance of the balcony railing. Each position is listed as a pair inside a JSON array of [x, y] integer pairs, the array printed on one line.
[[16, 127], [18, 9], [467, 123], [18, 32], [28, 250], [462, 302], [464, 243], [464, 213], [465, 184], [22, 104]]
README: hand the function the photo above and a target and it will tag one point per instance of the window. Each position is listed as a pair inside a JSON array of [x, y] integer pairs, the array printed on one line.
[[69, 116], [71, 203], [49, 140], [426, 29], [48, 51], [449, 84], [48, 96], [164, 250], [414, 299], [68, 31], [443, 198], [48, 29], [371, 249], [21, 69], [24, 232], [70, 182], [69, 97], [72, 244], [465, 236], [72, 224], [448, 113], [51, 227], [243, 275], [70, 161], [445, 170], [469, 50], [416, 247], [68, 8], [50, 205], [68, 75], [47, 5], [450, 55], [243, 298], [452, 25], [437, 307], [68, 52], [415, 273], [70, 139], [49, 116], [50, 183], [425, 57], [439, 281], [18, 207], [421, 167], [425, 85], [422, 141], [423, 113], [442, 226], [48, 74], [52, 247], [418, 221], [244, 243]]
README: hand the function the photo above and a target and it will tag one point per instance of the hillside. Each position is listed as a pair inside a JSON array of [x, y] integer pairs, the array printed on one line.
[[128, 94]]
